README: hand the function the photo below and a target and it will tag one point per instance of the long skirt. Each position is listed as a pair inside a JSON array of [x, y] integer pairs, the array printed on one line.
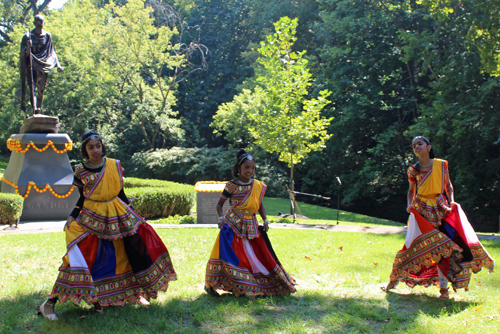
[[246, 267], [113, 272], [453, 248]]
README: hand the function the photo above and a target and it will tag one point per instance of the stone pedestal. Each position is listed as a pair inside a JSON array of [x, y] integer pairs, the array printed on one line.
[[207, 196], [40, 124], [42, 168]]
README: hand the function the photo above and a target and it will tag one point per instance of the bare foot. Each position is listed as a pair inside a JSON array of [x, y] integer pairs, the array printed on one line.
[[390, 285]]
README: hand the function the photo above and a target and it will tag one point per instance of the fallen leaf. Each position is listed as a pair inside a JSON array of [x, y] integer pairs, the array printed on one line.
[[375, 263], [370, 242], [116, 315], [327, 247], [307, 257], [341, 248], [388, 320], [479, 308], [491, 317], [82, 317]]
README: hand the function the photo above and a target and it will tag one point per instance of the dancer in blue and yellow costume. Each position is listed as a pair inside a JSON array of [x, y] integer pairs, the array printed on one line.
[[243, 261], [113, 256], [441, 245]]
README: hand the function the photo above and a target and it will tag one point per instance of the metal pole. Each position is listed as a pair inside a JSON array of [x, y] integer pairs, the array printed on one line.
[[338, 198]]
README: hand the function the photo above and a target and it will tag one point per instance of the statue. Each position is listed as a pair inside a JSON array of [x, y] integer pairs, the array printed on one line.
[[37, 59]]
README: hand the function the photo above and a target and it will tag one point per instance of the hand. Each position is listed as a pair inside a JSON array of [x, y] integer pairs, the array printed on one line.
[[60, 68], [68, 222], [266, 225], [408, 208], [221, 221], [452, 204]]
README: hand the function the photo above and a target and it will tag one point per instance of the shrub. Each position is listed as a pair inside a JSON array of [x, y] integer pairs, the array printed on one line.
[[189, 165], [177, 219], [11, 207], [157, 198]]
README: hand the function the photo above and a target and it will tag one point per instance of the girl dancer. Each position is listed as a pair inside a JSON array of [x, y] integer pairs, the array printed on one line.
[[113, 256], [440, 245], [243, 261]]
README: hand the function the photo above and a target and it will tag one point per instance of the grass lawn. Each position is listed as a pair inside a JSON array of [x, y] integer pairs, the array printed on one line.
[[319, 214], [339, 275]]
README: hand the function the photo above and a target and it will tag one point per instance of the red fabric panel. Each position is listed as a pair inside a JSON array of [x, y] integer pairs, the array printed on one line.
[[260, 249], [423, 224], [444, 265], [153, 242], [88, 246], [237, 246]]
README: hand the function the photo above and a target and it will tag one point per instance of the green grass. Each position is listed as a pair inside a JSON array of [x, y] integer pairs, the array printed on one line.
[[321, 215], [338, 291]]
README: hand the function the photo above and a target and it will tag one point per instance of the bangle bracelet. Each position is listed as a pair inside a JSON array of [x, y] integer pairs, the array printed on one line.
[[266, 221]]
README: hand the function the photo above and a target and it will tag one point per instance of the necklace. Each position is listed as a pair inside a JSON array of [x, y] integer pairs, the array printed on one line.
[[96, 166], [426, 166], [243, 183]]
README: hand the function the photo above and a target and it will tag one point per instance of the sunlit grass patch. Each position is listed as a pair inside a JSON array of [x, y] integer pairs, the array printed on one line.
[[339, 277]]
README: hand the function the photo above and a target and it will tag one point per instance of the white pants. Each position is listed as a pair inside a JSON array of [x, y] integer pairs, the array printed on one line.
[[443, 281]]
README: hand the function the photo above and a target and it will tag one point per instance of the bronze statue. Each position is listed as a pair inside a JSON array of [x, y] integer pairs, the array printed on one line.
[[37, 59]]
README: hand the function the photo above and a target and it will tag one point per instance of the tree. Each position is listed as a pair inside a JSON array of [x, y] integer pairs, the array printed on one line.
[[280, 117]]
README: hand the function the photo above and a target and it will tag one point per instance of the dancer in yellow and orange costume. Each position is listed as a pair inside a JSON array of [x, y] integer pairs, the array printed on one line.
[[113, 256], [243, 261], [441, 245]]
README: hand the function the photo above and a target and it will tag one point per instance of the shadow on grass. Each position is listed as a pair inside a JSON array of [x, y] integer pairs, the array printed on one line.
[[304, 312]]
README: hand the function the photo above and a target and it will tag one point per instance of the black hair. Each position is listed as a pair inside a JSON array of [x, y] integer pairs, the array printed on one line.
[[85, 138], [241, 157], [432, 155], [39, 17]]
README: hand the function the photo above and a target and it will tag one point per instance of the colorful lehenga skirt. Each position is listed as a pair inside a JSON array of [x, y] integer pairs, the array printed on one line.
[[113, 272], [453, 248], [246, 267]]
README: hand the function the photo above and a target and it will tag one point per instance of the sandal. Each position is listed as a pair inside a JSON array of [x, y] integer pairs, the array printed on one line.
[[444, 294], [143, 301], [51, 316], [390, 285], [211, 292]]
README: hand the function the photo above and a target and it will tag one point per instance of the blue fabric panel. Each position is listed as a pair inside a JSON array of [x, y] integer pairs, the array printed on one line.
[[449, 231], [105, 262], [226, 252]]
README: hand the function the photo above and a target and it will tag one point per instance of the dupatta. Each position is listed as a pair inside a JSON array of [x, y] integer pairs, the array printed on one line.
[[103, 213], [241, 218]]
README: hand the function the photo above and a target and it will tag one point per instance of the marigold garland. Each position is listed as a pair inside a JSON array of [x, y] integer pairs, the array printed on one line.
[[32, 184], [209, 186], [15, 145]]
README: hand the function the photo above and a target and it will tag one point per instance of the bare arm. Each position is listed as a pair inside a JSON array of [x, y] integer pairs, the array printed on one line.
[[262, 212], [449, 189], [218, 208], [411, 196]]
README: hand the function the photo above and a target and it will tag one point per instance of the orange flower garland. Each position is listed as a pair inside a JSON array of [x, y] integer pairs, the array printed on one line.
[[209, 186], [15, 145], [33, 185]]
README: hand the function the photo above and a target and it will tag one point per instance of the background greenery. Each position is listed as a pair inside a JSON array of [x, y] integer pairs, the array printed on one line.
[[396, 68]]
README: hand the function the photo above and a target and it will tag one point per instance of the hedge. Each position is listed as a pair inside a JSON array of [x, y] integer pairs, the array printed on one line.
[[157, 198], [11, 207]]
